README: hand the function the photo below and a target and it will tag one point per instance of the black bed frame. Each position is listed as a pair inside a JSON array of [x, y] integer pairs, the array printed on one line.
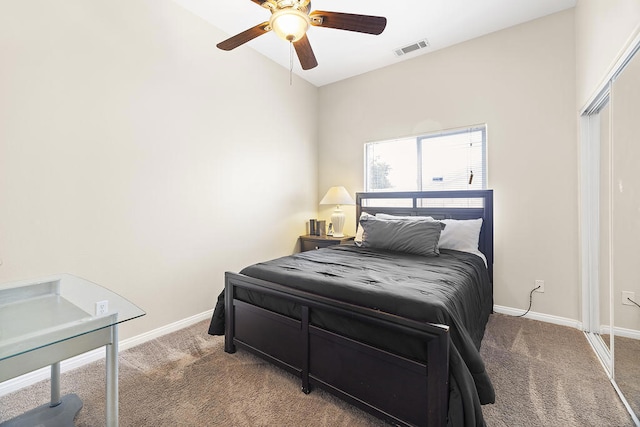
[[402, 391]]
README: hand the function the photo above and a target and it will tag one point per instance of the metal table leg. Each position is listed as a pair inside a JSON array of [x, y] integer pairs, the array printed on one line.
[[112, 378], [55, 385]]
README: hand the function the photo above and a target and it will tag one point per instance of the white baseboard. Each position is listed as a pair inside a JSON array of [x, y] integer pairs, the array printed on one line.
[[25, 380], [620, 332], [604, 329], [563, 321]]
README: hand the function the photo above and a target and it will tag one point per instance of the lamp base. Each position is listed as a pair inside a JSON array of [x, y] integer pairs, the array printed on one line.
[[337, 219]]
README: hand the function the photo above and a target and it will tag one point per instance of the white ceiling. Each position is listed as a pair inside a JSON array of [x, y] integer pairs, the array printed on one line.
[[343, 54]]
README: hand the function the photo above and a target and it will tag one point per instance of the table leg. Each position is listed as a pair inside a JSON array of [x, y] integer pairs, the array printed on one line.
[[55, 385], [112, 378]]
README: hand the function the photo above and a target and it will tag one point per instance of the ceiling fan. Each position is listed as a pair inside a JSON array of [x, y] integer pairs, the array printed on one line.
[[290, 20]]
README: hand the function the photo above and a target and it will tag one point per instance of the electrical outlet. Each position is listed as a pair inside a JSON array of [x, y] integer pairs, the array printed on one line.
[[102, 308], [539, 284], [626, 295]]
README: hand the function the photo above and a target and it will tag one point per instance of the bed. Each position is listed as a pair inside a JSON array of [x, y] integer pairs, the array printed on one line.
[[394, 332]]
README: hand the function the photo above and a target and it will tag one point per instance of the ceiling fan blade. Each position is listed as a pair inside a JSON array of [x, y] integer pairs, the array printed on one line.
[[305, 53], [259, 2], [243, 37], [348, 21]]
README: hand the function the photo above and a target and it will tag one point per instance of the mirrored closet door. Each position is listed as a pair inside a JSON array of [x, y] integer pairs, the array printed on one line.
[[610, 146], [625, 229]]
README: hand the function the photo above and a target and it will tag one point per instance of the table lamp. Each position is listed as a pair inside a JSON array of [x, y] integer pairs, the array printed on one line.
[[337, 196]]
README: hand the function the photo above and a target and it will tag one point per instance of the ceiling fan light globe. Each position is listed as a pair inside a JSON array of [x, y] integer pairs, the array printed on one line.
[[289, 24]]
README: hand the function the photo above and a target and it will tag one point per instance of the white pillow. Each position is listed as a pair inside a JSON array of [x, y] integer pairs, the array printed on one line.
[[408, 217], [360, 231], [461, 235]]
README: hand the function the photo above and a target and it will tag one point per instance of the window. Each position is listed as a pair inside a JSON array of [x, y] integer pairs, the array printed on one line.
[[447, 160]]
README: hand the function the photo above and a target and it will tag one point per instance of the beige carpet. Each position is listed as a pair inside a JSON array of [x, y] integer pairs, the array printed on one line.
[[544, 375]]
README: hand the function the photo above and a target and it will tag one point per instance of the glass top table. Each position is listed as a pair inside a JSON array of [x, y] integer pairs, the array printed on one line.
[[47, 320]]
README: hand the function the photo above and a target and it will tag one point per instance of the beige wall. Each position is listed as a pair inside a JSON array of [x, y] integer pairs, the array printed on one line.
[[521, 83], [604, 29], [135, 154]]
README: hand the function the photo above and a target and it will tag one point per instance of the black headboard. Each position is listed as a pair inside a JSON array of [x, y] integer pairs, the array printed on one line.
[[467, 204]]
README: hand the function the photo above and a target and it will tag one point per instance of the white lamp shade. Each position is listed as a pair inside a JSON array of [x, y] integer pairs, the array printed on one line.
[[337, 196], [289, 24]]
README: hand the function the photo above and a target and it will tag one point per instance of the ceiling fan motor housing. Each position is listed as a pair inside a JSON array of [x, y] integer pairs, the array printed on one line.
[[303, 5]]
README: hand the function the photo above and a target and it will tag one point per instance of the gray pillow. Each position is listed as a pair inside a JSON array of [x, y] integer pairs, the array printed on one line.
[[415, 237]]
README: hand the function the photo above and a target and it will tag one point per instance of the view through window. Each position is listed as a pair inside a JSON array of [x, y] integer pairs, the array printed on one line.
[[447, 160]]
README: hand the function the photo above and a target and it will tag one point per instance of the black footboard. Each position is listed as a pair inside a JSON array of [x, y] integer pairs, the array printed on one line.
[[387, 385]]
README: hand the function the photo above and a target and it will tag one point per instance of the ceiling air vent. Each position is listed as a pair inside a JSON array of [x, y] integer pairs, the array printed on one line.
[[421, 44]]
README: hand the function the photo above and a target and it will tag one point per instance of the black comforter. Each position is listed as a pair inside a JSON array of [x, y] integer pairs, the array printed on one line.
[[452, 289]]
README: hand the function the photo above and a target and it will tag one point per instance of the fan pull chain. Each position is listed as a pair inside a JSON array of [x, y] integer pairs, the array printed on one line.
[[290, 63]]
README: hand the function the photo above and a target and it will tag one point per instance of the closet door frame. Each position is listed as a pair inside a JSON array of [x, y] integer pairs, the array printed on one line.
[[589, 148]]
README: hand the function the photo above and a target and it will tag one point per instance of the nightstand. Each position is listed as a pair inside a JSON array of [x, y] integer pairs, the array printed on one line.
[[311, 242]]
